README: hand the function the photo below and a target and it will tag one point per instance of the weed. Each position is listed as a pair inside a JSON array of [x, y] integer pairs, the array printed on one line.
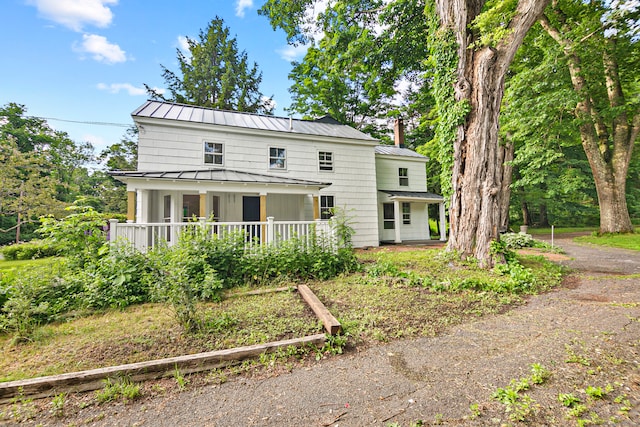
[[539, 374], [573, 357], [577, 410], [475, 410], [598, 392], [180, 379], [57, 404], [568, 399], [121, 388]]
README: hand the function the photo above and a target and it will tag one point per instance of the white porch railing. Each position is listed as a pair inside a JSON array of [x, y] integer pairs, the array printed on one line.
[[149, 235]]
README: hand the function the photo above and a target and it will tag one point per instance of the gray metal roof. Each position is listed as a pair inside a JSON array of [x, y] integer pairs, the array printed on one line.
[[414, 195], [195, 114], [217, 175], [392, 150]]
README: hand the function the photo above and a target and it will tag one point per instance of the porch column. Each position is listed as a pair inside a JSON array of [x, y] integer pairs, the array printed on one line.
[[316, 208], [426, 208], [443, 223], [203, 205], [397, 214], [131, 206], [263, 217]]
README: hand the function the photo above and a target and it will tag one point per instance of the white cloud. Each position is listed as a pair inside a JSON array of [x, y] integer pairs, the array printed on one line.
[[183, 43], [292, 53], [75, 14], [101, 50], [127, 87], [98, 142], [242, 5]]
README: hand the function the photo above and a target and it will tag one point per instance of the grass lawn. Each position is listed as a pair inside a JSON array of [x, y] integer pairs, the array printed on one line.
[[625, 241], [397, 295], [12, 265]]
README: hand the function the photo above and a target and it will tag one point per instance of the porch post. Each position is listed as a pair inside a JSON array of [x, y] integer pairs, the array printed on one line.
[[316, 208], [113, 231], [131, 206], [203, 205], [426, 207], [443, 223], [263, 216], [396, 219]]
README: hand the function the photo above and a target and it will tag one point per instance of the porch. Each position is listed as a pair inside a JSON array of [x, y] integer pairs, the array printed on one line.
[[255, 234]]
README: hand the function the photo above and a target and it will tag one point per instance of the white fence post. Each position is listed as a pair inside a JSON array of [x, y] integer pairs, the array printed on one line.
[[270, 231], [113, 231]]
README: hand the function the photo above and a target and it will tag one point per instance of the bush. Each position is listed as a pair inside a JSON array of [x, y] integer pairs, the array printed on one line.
[[31, 250]]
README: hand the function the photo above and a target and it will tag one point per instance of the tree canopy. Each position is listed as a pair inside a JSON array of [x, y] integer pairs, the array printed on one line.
[[215, 74]]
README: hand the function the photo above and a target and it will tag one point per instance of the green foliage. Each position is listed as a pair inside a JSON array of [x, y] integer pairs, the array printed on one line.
[[518, 405], [215, 74], [120, 388], [80, 235], [57, 404], [568, 399], [451, 113], [493, 22], [625, 241], [34, 249]]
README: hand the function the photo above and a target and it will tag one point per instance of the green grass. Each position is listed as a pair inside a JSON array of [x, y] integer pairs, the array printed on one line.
[[561, 230], [12, 265], [624, 241]]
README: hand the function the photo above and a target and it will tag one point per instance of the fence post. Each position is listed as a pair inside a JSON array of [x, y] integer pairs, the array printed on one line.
[[270, 230], [113, 231]]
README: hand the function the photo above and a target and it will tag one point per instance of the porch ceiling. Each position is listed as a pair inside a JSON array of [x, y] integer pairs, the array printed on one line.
[[215, 176], [414, 196]]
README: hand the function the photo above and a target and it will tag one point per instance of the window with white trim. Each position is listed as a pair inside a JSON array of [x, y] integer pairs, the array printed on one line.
[[325, 161], [403, 176], [213, 153], [406, 213], [327, 203], [389, 216], [277, 158]]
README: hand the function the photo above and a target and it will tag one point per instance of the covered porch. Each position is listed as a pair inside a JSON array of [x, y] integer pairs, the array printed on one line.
[[163, 203], [404, 216]]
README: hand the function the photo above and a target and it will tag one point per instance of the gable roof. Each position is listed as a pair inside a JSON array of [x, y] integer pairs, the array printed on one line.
[[195, 114], [392, 150], [217, 175]]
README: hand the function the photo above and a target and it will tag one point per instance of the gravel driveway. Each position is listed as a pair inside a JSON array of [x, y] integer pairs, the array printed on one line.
[[587, 334]]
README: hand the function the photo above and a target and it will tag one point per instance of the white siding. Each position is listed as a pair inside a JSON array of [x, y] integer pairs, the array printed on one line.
[[353, 182], [387, 173]]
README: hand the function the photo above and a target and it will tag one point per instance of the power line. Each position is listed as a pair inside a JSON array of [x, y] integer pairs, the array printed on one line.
[[82, 121]]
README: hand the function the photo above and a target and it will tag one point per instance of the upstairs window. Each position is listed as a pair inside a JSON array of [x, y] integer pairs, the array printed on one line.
[[327, 203], [213, 153], [403, 175], [277, 158], [325, 161]]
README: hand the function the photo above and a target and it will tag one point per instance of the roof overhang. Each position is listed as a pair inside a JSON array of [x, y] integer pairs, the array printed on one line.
[[210, 179], [414, 196]]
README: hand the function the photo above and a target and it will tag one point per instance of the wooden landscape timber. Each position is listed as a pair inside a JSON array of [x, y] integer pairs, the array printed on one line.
[[154, 369], [330, 323]]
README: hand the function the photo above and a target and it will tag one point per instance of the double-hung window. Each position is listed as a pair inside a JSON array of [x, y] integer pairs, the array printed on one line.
[[327, 203], [213, 154], [403, 176], [325, 161], [277, 158]]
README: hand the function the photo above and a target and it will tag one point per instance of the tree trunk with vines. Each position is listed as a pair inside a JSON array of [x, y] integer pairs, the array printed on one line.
[[474, 213]]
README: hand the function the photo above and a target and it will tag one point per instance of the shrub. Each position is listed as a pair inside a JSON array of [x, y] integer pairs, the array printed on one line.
[[31, 250]]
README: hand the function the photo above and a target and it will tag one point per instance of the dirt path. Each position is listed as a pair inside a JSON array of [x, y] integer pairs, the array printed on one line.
[[586, 334]]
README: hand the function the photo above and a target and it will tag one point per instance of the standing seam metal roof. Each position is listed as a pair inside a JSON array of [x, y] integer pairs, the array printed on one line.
[[217, 175], [195, 114], [397, 151]]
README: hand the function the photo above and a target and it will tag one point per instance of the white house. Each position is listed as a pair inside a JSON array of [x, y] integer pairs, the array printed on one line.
[[232, 167]]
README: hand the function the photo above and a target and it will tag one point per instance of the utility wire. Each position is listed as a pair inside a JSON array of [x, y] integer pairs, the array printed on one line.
[[82, 121]]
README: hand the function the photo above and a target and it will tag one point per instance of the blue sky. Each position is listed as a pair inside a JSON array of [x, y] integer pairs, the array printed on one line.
[[87, 60]]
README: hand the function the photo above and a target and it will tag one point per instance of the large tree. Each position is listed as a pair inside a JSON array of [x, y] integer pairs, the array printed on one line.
[[41, 169], [603, 69], [215, 74], [472, 43]]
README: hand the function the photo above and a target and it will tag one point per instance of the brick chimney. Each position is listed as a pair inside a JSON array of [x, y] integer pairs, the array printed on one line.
[[398, 133]]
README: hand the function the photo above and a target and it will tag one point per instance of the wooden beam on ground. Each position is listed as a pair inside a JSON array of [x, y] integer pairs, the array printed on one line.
[[330, 323], [93, 379]]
